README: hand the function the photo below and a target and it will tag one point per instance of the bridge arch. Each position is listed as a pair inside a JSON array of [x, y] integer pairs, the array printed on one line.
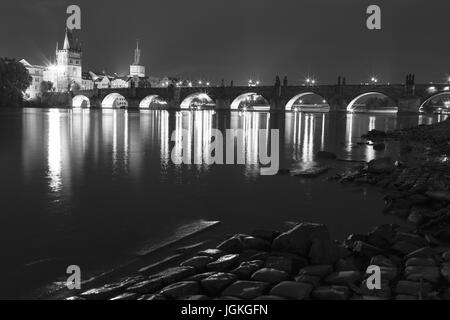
[[114, 100], [296, 98], [147, 102], [351, 106], [440, 94], [235, 105], [197, 100], [81, 101]]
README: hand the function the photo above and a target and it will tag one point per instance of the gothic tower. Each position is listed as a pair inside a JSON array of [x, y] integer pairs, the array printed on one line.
[[136, 69]]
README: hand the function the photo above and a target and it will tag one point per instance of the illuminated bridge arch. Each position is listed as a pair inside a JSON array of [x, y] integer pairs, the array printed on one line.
[[114, 100], [148, 101], [352, 105], [81, 101], [441, 94], [235, 105], [298, 97], [199, 99]]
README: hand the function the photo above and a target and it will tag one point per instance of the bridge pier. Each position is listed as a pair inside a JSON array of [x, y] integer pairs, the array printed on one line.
[[409, 104], [223, 104]]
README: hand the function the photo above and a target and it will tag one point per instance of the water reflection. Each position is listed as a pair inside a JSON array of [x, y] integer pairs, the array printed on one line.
[[54, 150]]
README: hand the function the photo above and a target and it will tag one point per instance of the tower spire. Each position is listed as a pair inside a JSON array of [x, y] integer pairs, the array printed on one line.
[[66, 41], [137, 54]]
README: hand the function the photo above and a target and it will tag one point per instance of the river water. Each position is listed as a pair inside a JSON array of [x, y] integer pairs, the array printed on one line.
[[84, 186]]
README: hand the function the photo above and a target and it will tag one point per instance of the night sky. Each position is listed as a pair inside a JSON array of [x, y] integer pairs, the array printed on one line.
[[241, 39]]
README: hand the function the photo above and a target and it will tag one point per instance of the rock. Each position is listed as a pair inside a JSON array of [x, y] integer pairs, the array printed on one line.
[[415, 239], [214, 284], [425, 252], [269, 298], [418, 199], [214, 253], [439, 195], [446, 256], [313, 280], [105, 292], [300, 240], [253, 243], [153, 297], [198, 262], [200, 276], [224, 263], [318, 270], [232, 245], [412, 287], [197, 297], [245, 289], [285, 264], [374, 135], [384, 292], [389, 273], [366, 249], [331, 293], [269, 275], [382, 261], [126, 296], [181, 289], [292, 290], [430, 262], [445, 271], [343, 278], [247, 268], [382, 165], [74, 298], [159, 280], [418, 273], [416, 218], [326, 155], [267, 235], [310, 172], [405, 297], [404, 247], [379, 146]]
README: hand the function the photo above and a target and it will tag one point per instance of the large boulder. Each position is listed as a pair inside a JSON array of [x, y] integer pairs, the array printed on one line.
[[308, 240], [382, 165], [292, 290], [272, 276], [245, 289]]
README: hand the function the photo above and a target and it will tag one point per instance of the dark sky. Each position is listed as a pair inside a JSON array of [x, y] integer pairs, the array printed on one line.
[[241, 39]]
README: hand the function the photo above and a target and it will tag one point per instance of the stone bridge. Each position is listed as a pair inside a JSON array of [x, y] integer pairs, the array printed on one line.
[[408, 97]]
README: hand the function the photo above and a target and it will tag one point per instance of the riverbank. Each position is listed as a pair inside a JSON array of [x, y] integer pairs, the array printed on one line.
[[303, 262]]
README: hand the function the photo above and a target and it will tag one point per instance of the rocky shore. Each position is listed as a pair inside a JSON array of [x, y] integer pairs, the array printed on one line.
[[304, 263]]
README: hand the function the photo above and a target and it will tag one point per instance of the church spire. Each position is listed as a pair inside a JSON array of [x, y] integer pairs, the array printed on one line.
[[66, 41], [137, 54]]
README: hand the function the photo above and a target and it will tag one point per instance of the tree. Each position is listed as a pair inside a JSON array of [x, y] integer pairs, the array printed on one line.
[[14, 80], [45, 86]]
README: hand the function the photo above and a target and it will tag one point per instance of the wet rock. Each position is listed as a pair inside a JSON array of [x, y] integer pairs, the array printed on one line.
[[383, 292], [425, 252], [232, 245], [404, 247], [318, 270], [326, 155], [267, 298], [331, 293], [439, 195], [247, 268], [382, 261], [105, 292], [418, 199], [418, 273], [267, 235], [445, 271], [343, 278], [159, 280], [280, 263], [214, 253], [197, 297], [126, 296], [366, 249], [181, 289], [200, 276], [305, 236], [214, 284], [382, 165], [416, 218], [348, 264], [269, 275], [198, 262], [256, 244], [74, 298], [415, 239], [412, 288], [224, 263], [374, 135], [312, 280], [430, 262], [405, 297], [246, 289], [379, 146], [310, 172], [153, 297], [446, 256], [292, 290]]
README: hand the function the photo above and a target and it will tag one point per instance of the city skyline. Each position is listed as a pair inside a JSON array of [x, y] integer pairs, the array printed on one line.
[[321, 51]]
